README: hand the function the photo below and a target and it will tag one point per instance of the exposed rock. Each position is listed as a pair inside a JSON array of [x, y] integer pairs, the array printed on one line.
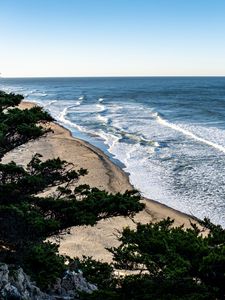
[[72, 283], [16, 285]]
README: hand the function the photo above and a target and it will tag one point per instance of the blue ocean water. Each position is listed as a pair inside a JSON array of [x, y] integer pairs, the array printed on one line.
[[168, 133]]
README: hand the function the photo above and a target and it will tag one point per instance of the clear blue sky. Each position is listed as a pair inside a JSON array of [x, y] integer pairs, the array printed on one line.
[[112, 37]]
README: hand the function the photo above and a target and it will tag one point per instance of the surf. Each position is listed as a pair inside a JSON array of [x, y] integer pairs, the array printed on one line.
[[189, 134]]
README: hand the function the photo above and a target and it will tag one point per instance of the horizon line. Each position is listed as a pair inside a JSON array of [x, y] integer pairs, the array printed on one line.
[[109, 76]]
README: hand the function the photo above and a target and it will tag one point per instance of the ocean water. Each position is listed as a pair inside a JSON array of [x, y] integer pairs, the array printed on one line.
[[168, 133]]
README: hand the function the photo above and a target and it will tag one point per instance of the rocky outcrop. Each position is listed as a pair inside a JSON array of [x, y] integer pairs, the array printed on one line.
[[72, 283], [16, 285]]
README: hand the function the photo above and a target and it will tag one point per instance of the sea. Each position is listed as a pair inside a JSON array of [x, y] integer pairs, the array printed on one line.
[[167, 133]]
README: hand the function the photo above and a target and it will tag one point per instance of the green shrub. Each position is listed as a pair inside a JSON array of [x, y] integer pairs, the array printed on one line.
[[43, 263]]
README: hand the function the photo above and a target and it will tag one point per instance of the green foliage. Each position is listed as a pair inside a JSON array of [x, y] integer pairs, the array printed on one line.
[[106, 294], [9, 100], [99, 273], [16, 183], [23, 211], [43, 263], [145, 287], [19, 126], [182, 262], [169, 263]]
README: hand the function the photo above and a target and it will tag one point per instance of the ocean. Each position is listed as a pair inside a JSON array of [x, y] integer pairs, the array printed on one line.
[[167, 133]]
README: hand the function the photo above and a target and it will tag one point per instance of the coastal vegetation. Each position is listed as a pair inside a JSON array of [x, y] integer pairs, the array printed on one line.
[[167, 263], [159, 260], [27, 218]]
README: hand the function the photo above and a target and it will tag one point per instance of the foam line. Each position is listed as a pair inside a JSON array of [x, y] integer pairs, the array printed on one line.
[[100, 107], [62, 119], [189, 134], [50, 103]]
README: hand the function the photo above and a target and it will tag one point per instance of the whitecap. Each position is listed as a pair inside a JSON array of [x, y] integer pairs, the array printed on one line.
[[189, 134], [102, 119], [100, 107], [62, 118]]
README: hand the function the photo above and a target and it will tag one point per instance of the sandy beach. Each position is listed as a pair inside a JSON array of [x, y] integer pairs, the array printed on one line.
[[102, 173]]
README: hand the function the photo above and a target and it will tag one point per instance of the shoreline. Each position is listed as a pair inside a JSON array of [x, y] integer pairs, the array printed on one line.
[[102, 173]]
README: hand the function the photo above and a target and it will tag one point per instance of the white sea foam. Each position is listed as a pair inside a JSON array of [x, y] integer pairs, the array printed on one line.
[[100, 107], [32, 91], [114, 108], [74, 105], [82, 108], [40, 94], [49, 103], [109, 139], [190, 134], [154, 114], [62, 115], [62, 119], [102, 119], [146, 174], [100, 100]]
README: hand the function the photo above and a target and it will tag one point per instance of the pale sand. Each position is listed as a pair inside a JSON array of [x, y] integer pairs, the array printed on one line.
[[102, 173]]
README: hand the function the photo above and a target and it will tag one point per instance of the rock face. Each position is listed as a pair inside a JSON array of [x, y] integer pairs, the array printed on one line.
[[16, 285], [72, 283]]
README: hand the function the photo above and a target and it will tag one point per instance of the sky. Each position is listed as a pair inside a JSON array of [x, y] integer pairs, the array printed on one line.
[[112, 37]]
